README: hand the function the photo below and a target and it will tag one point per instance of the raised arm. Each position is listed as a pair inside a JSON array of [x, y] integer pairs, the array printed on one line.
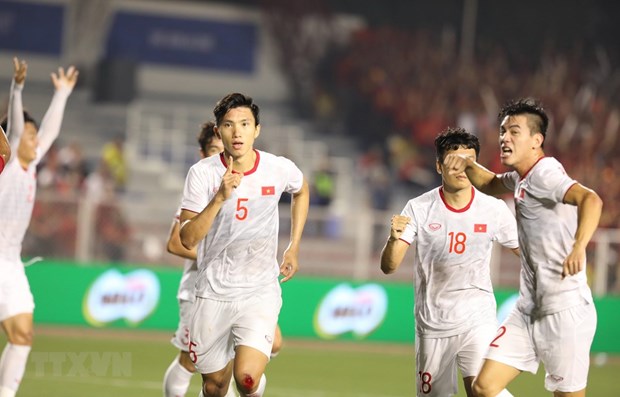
[[299, 213], [483, 179], [589, 208], [395, 249], [50, 125], [15, 122]]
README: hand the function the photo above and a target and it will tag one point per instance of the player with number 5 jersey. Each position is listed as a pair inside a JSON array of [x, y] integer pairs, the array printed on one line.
[[230, 212], [453, 227]]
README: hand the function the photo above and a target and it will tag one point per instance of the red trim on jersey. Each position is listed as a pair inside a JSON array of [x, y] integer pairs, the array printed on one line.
[[255, 163], [406, 242], [225, 164], [1, 164], [185, 209], [571, 186], [443, 198], [531, 168]]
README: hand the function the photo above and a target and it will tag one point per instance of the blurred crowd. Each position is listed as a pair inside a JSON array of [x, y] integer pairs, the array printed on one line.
[[392, 90], [69, 185], [398, 89]]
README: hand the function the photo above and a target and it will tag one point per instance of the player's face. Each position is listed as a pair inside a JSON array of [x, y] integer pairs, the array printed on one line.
[[214, 147], [453, 183], [238, 131], [516, 141], [29, 141]]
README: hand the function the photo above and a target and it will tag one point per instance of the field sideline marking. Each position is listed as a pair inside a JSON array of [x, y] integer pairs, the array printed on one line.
[[152, 385]]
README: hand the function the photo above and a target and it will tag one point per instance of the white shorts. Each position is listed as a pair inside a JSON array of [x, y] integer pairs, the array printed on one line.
[[561, 341], [437, 359], [15, 295], [218, 327], [181, 335]]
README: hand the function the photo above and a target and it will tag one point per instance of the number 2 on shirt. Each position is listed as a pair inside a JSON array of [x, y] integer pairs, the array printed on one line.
[[242, 211], [457, 242]]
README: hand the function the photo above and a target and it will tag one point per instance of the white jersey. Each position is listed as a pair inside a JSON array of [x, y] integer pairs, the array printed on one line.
[[238, 255], [188, 279], [18, 185], [453, 290], [547, 229]]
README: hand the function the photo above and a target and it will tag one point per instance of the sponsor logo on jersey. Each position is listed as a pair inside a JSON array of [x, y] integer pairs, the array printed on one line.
[[434, 226], [114, 296], [480, 228], [347, 309], [268, 190]]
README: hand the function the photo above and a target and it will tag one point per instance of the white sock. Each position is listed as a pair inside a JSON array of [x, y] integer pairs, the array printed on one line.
[[12, 367], [176, 380], [261, 387], [504, 393], [4, 392]]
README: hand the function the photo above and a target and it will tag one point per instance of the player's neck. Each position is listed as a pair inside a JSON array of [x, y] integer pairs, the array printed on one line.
[[524, 167], [457, 198], [246, 162]]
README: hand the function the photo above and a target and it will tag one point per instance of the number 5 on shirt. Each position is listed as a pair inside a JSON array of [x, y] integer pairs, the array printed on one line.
[[242, 211]]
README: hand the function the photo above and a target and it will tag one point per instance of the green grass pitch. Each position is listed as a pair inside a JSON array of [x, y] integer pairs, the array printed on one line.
[[68, 362]]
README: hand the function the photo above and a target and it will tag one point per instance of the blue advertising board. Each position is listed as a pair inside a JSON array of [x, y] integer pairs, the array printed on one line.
[[201, 43], [31, 27]]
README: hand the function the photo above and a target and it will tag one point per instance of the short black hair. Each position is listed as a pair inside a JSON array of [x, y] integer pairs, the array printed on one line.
[[537, 119], [453, 138], [206, 135], [231, 101], [27, 119]]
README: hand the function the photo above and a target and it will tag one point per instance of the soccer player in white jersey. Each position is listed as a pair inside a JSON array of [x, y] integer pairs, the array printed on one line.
[[5, 150], [453, 227], [17, 194], [180, 371], [554, 319], [230, 211]]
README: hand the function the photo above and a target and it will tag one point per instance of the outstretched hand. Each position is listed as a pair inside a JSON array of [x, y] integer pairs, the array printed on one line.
[[67, 79], [20, 70]]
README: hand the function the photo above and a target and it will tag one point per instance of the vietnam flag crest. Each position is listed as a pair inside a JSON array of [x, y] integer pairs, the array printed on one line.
[[268, 190], [480, 228]]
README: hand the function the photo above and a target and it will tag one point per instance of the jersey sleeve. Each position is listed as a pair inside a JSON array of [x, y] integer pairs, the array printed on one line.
[[509, 179], [15, 122], [52, 121], [506, 233], [295, 178], [195, 193], [410, 232], [550, 181]]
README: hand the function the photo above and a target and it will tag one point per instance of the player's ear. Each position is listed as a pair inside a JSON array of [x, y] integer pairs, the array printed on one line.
[[257, 131], [438, 166], [216, 130], [538, 140]]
